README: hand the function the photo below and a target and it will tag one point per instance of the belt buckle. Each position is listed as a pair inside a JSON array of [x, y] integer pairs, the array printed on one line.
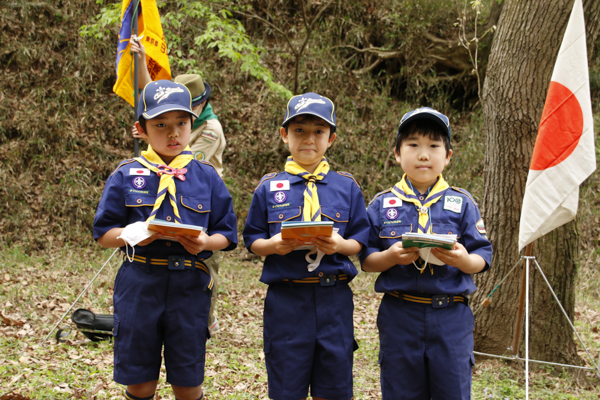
[[440, 301], [327, 280], [176, 263]]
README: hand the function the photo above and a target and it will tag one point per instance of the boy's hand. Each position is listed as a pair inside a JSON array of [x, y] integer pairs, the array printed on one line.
[[401, 255], [151, 239], [283, 246], [193, 245], [329, 245], [460, 258]]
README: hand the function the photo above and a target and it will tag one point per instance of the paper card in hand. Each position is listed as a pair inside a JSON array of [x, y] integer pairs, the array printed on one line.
[[305, 230]]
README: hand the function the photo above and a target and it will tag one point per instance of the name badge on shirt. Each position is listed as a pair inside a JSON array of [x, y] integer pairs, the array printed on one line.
[[453, 203], [139, 171], [280, 185], [389, 202]]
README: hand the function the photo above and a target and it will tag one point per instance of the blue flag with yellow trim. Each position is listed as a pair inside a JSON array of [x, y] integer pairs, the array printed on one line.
[[153, 39]]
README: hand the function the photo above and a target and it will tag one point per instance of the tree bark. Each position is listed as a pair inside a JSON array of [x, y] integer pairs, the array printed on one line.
[[520, 65]]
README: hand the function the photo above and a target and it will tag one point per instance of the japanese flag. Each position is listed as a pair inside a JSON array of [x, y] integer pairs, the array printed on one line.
[[564, 154]]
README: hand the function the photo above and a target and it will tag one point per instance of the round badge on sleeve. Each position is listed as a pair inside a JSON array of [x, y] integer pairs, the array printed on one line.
[[280, 197], [139, 182], [391, 213]]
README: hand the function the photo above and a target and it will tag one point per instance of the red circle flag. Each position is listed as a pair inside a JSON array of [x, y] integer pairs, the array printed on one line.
[[560, 129]]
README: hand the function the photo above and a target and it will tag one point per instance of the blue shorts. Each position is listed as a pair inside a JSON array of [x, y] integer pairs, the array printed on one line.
[[155, 306], [425, 352], [309, 341]]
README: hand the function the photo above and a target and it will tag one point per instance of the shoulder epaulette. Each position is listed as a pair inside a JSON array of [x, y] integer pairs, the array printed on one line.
[[463, 191], [348, 175], [264, 178], [379, 194], [129, 161], [209, 164]]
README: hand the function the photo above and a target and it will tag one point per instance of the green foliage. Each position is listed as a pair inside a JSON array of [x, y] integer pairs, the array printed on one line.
[[220, 31], [230, 37], [105, 21]]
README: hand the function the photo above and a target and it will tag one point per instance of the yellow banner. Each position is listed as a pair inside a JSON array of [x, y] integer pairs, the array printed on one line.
[[153, 40]]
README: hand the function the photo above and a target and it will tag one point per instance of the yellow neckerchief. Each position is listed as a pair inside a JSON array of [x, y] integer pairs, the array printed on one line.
[[151, 160], [312, 207], [404, 191]]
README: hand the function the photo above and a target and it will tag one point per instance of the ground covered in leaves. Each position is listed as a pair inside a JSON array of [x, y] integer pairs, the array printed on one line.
[[36, 291]]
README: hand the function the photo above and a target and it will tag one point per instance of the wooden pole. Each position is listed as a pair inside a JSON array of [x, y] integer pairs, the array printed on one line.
[[521, 306]]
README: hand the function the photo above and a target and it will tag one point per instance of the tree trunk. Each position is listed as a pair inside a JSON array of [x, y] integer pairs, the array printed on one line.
[[520, 65]]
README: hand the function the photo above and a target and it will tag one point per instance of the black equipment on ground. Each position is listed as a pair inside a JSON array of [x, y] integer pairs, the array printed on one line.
[[95, 327]]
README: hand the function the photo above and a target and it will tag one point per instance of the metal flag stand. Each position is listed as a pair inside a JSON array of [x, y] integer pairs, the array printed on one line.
[[77, 299], [524, 305]]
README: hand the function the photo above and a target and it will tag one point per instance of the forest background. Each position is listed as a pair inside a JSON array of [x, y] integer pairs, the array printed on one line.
[[62, 132]]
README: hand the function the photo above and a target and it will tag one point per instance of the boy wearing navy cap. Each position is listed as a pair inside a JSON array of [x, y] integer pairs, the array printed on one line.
[[308, 326], [162, 294], [425, 324]]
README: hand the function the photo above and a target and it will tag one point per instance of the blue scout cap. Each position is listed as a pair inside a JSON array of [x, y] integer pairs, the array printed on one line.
[[311, 104], [425, 113], [163, 96]]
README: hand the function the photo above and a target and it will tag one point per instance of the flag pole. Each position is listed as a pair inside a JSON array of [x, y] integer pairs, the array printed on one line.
[[526, 268], [521, 306], [136, 84]]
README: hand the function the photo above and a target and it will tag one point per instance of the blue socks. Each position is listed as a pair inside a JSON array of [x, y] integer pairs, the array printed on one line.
[[129, 396]]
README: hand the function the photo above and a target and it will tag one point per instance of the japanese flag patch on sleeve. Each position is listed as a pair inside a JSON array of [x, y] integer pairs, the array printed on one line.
[[279, 185], [139, 171], [390, 202]]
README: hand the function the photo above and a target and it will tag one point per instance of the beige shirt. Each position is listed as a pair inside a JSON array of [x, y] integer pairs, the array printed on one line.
[[208, 142]]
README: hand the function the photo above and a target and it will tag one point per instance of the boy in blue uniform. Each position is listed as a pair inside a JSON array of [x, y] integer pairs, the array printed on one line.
[[308, 326], [162, 294], [425, 324]]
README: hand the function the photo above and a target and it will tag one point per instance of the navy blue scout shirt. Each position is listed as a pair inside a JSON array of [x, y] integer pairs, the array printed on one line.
[[280, 197], [455, 213], [202, 199]]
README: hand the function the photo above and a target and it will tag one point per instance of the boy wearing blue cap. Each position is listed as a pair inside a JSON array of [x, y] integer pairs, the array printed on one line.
[[162, 293], [425, 324], [308, 326]]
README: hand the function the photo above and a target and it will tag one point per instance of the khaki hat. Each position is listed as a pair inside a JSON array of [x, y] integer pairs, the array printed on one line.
[[200, 90]]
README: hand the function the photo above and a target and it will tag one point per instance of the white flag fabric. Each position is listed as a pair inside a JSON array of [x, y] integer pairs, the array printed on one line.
[[564, 154]]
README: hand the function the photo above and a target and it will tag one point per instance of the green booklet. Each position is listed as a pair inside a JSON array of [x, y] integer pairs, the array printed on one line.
[[422, 240]]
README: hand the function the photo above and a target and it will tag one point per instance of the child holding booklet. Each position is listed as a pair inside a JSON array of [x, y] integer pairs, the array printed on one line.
[[425, 324], [308, 325], [162, 294]]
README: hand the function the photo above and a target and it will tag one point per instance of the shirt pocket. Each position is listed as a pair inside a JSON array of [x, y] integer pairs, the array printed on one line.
[[138, 206], [391, 234], [340, 217], [276, 217], [139, 200], [195, 210], [446, 229]]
